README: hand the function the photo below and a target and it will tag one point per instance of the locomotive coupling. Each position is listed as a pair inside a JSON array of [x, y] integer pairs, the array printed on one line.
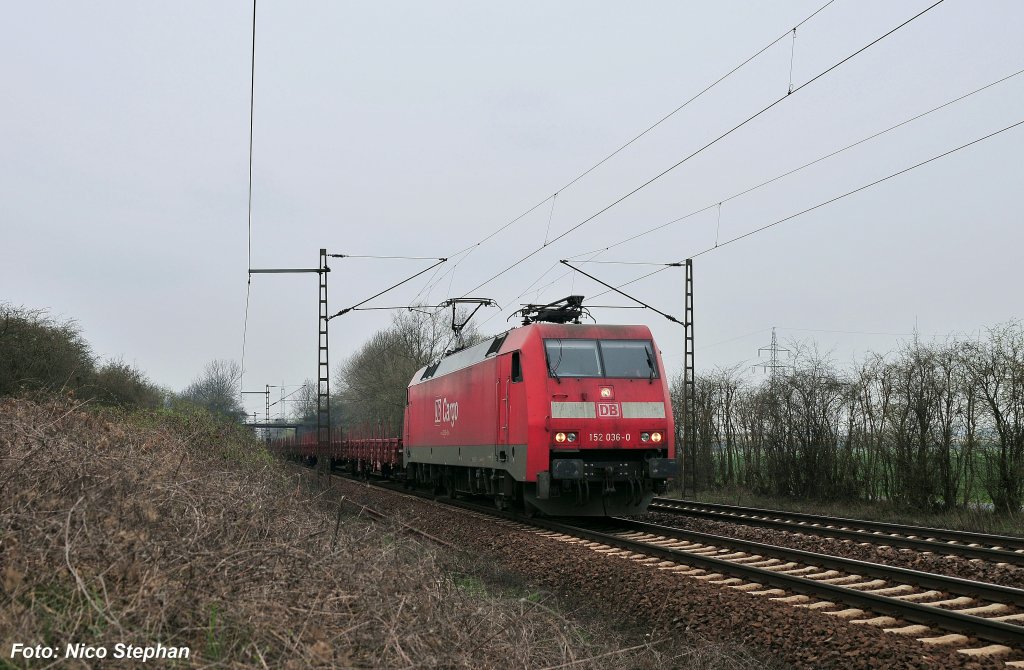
[[567, 468], [576, 468], [662, 468]]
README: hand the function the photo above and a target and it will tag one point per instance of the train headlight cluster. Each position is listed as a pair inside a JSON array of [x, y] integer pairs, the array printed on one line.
[[565, 437], [650, 437]]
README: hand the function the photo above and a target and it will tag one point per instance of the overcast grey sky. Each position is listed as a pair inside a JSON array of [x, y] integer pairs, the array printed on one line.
[[417, 128]]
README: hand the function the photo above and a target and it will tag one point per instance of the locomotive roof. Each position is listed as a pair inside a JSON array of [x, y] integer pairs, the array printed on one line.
[[514, 339]]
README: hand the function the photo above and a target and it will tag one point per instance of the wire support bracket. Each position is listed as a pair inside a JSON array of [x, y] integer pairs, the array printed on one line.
[[628, 296], [390, 288]]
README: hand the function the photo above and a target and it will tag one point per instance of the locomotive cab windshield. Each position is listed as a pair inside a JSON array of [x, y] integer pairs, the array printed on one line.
[[622, 359]]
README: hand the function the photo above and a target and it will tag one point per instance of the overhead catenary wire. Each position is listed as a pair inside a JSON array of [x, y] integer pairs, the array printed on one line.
[[388, 289], [625, 295], [544, 287], [530, 288], [551, 215], [428, 287], [465, 252], [845, 332], [792, 54], [248, 283], [626, 263], [410, 307], [302, 386], [697, 152], [809, 330], [402, 258], [858, 190], [804, 166], [733, 339], [828, 202]]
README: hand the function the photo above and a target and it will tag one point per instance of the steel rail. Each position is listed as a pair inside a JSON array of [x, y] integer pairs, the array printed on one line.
[[1001, 548], [928, 580], [949, 620], [905, 529]]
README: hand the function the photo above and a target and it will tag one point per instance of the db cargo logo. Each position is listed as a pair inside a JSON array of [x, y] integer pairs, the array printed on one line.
[[446, 412], [608, 410]]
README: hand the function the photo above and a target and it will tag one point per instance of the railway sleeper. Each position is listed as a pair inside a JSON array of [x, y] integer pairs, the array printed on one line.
[[848, 613], [950, 638], [989, 650]]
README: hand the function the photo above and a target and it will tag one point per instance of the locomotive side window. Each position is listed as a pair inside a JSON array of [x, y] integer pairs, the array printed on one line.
[[573, 358], [517, 367], [630, 359]]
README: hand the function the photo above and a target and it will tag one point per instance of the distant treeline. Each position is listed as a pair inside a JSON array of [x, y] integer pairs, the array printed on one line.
[[933, 425], [43, 354]]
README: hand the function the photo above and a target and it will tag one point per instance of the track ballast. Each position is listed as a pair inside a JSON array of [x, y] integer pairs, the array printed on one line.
[[979, 546]]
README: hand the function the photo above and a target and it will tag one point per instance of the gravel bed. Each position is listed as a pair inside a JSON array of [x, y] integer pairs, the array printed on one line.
[[942, 564], [621, 590]]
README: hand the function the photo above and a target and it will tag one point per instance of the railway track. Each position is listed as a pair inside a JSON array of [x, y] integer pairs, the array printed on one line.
[[903, 601], [978, 546], [979, 619]]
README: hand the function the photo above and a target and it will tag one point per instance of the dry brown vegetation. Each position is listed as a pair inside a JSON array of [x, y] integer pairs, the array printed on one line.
[[177, 529]]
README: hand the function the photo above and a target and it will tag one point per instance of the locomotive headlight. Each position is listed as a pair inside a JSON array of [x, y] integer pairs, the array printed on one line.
[[571, 437], [644, 437], [606, 392], [655, 437], [560, 437]]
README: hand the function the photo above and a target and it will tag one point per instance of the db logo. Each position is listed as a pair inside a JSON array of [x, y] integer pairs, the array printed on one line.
[[446, 412], [608, 410]]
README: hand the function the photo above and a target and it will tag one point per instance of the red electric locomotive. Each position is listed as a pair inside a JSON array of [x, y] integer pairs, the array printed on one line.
[[563, 418]]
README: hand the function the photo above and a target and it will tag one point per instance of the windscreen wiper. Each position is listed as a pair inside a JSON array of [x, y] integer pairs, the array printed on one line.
[[650, 363], [551, 370]]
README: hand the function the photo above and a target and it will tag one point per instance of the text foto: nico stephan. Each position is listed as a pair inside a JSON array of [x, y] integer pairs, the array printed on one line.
[[85, 651]]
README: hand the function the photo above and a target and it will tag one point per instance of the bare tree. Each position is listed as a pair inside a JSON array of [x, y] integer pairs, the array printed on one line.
[[216, 389], [304, 403], [372, 382], [998, 373], [933, 425]]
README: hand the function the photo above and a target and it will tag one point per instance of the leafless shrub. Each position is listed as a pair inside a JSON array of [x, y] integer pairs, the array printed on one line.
[[177, 529], [216, 389]]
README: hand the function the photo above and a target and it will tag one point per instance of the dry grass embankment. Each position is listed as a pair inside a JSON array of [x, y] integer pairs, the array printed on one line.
[[172, 528]]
